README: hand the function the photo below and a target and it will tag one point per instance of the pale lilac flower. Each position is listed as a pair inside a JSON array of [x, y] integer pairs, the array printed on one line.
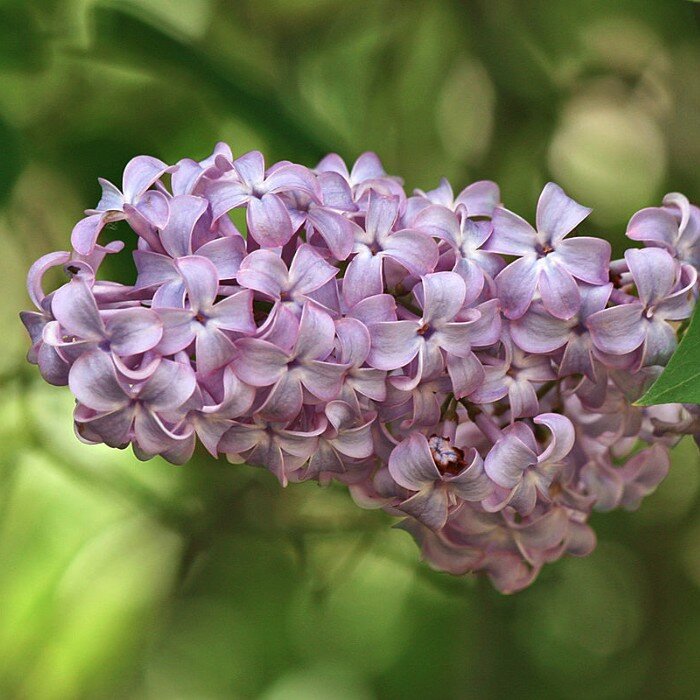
[[415, 251], [265, 272], [260, 363], [275, 446], [121, 411], [439, 475], [643, 324], [206, 322], [675, 227], [548, 261], [157, 267], [250, 185], [437, 339], [479, 199], [143, 208], [346, 440], [466, 237], [539, 332], [522, 474], [355, 334]]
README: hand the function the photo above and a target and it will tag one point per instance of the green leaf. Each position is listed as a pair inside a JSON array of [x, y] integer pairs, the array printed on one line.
[[680, 381]]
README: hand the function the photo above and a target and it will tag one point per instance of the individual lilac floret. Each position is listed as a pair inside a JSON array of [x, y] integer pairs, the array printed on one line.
[[250, 185], [412, 249], [522, 474], [439, 475], [541, 333], [120, 412], [205, 322], [664, 295], [675, 227], [437, 339], [143, 208], [260, 363], [548, 262], [466, 237]]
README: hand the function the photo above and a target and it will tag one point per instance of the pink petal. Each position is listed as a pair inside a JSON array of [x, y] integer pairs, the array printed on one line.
[[268, 221], [394, 344], [560, 295], [557, 213], [516, 285]]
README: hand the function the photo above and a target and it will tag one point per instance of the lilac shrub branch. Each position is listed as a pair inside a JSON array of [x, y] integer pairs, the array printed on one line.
[[452, 364]]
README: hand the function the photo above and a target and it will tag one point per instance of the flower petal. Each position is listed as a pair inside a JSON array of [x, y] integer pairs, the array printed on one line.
[[516, 285], [560, 295], [557, 213], [411, 463]]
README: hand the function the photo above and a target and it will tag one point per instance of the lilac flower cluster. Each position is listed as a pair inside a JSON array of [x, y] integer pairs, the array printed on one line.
[[449, 362]]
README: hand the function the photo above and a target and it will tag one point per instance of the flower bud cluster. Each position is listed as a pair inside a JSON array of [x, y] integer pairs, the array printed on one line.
[[446, 360]]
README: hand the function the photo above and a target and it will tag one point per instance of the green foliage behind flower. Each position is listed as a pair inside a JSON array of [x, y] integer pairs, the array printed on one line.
[[127, 580]]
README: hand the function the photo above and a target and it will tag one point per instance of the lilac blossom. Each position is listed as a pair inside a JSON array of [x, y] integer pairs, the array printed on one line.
[[548, 262], [664, 295], [352, 333], [439, 476]]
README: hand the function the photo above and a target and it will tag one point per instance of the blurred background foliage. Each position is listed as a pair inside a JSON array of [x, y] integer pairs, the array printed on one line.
[[127, 580]]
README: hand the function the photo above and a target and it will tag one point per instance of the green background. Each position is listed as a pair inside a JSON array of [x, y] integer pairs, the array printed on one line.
[[127, 580]]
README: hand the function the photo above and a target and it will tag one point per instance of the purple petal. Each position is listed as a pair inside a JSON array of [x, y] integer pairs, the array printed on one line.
[[93, 380], [363, 278], [354, 340], [443, 296], [169, 387], [618, 330], [654, 224], [292, 177], [323, 379], [480, 198], [538, 331], [428, 506], [235, 313], [507, 460], [394, 344], [309, 271], [201, 281], [185, 212], [133, 331], [316, 333], [416, 251], [139, 174], [466, 373], [337, 231], [264, 271], [366, 167], [516, 285], [512, 235], [224, 195], [74, 307], [268, 221], [560, 295], [213, 349], [284, 400], [659, 344], [382, 213], [587, 259], [439, 222], [37, 271], [654, 272], [251, 168], [84, 235], [226, 253], [259, 363], [411, 463], [563, 437], [557, 213]]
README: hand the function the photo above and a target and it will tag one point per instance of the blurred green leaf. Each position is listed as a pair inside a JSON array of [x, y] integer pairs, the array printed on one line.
[[130, 41], [680, 380]]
